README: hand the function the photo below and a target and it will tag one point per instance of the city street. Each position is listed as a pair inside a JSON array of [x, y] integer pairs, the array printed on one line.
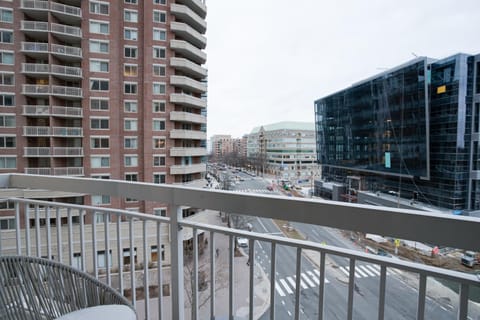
[[401, 298]]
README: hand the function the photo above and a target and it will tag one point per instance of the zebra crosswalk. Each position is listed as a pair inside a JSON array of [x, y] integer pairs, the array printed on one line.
[[253, 191], [311, 278]]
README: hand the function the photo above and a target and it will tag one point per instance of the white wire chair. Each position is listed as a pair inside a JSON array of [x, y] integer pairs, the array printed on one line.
[[36, 288]]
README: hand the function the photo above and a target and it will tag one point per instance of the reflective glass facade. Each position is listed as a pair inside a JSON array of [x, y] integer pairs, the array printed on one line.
[[389, 141]]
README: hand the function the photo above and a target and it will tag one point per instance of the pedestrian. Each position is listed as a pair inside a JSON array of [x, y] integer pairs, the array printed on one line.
[[248, 262], [217, 252]]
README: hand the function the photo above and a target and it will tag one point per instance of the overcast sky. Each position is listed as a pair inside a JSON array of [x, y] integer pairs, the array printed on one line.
[[268, 60]]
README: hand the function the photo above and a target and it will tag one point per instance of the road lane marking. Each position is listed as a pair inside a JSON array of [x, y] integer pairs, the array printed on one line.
[[344, 271], [302, 284], [292, 282], [365, 269], [314, 277], [318, 274], [355, 273], [261, 223], [376, 266], [285, 286], [279, 290], [373, 269], [307, 280], [363, 274]]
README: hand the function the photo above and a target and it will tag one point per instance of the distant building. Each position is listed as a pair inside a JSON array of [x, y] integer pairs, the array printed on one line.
[[412, 132], [284, 149], [222, 145]]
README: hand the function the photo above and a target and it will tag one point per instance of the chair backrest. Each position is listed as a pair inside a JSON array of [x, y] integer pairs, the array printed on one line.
[[36, 288]]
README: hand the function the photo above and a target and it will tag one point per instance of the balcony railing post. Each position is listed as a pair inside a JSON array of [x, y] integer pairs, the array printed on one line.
[[178, 298]]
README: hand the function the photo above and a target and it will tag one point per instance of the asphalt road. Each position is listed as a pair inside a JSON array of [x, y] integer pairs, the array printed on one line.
[[401, 299]]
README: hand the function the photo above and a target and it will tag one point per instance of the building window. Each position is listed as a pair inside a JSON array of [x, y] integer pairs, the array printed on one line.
[[99, 104], [131, 1], [162, 212], [130, 70], [158, 106], [130, 87], [130, 106], [7, 205], [159, 52], [100, 161], [6, 36], [158, 125], [159, 178], [159, 161], [7, 121], [7, 100], [131, 177], [131, 124], [8, 162], [159, 34], [8, 142], [105, 176], [102, 259], [158, 143], [6, 57], [6, 15], [99, 7], [131, 52], [7, 79], [99, 46], [159, 70], [98, 66], [99, 123], [159, 16], [131, 161], [99, 27], [100, 143], [130, 143], [130, 15], [159, 88], [163, 2], [100, 200], [127, 256], [130, 34], [99, 85], [7, 224]]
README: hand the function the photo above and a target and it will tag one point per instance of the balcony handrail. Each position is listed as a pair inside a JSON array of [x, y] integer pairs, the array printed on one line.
[[66, 50], [66, 9], [34, 25], [400, 223], [64, 29], [35, 46], [34, 4], [66, 70]]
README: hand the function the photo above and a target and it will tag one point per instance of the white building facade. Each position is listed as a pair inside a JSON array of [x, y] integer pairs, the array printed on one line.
[[284, 149]]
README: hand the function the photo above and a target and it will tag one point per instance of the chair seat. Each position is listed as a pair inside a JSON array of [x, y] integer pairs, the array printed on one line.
[[111, 311]]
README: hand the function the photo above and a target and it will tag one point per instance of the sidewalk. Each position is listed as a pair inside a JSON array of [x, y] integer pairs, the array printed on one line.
[[241, 282], [241, 279]]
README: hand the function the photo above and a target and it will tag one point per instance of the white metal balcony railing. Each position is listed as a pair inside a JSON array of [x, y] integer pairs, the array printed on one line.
[[66, 30], [41, 171], [66, 71], [188, 152], [189, 34], [35, 68], [36, 47], [38, 26], [66, 9], [66, 50], [55, 151], [67, 111], [36, 110], [36, 89], [74, 240], [44, 131], [68, 171], [67, 91], [34, 4]]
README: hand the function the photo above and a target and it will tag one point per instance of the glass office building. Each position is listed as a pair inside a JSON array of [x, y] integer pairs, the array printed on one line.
[[410, 130]]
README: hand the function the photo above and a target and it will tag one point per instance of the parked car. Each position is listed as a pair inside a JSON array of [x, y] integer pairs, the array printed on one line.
[[242, 242]]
